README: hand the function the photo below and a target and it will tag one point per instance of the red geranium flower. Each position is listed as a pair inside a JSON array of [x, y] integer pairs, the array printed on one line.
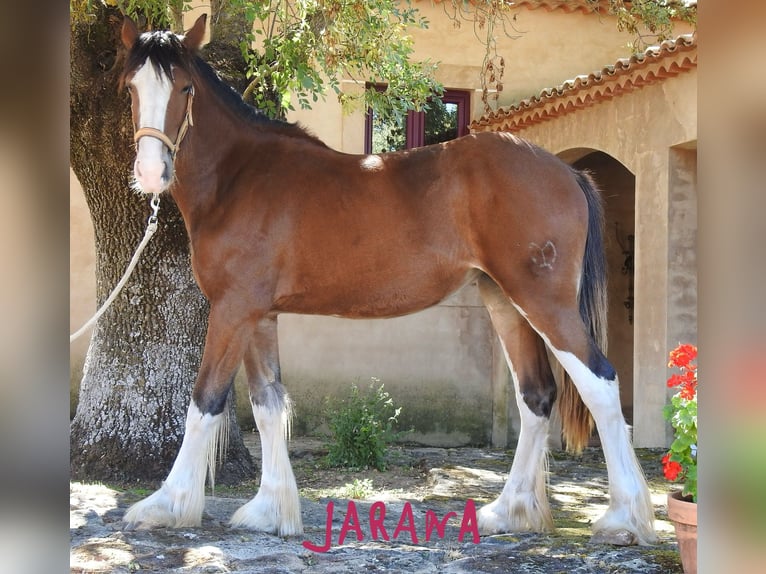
[[671, 468], [682, 355], [676, 379], [689, 390]]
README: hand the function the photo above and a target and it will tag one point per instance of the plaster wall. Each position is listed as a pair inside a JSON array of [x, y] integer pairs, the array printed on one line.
[[541, 48]]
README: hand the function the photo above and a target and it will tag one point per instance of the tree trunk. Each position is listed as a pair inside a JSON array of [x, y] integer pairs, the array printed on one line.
[[146, 349]]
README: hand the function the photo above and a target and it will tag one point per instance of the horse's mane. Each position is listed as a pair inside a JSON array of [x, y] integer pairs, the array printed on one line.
[[165, 50]]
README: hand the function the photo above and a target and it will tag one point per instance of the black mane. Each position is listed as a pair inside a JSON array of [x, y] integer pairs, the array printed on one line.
[[165, 50]]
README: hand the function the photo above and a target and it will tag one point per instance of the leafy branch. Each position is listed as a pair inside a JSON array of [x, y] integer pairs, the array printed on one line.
[[650, 21], [308, 47], [488, 19]]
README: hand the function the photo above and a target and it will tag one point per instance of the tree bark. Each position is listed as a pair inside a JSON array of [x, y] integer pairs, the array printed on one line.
[[146, 349]]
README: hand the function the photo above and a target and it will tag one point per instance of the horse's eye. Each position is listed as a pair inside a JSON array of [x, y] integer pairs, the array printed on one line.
[[187, 89]]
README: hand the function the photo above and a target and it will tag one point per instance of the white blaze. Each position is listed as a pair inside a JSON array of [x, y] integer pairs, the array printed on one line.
[[152, 167]]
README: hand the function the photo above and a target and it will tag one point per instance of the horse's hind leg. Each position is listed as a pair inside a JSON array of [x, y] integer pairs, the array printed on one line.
[[181, 499], [523, 504], [276, 507], [630, 516]]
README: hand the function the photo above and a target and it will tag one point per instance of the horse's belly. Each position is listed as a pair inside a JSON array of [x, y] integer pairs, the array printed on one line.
[[375, 296]]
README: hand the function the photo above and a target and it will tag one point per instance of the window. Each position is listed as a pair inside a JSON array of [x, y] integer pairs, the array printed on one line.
[[445, 119]]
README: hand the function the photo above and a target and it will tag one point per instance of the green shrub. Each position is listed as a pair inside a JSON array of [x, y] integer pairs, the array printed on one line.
[[359, 489], [362, 427]]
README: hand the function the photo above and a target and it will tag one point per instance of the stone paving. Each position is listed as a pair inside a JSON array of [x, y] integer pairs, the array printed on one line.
[[430, 479]]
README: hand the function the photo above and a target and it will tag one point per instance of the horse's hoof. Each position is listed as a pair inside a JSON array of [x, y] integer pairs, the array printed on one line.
[[615, 537], [492, 522], [525, 514], [148, 517], [162, 510], [262, 515]]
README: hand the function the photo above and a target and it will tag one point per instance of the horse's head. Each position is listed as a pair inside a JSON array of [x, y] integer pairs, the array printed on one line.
[[158, 75]]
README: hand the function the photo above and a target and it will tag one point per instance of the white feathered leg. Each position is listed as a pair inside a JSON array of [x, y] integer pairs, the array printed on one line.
[[181, 499], [630, 516], [276, 507], [523, 504]]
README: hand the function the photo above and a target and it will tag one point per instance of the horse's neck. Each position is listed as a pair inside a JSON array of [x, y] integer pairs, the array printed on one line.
[[215, 137]]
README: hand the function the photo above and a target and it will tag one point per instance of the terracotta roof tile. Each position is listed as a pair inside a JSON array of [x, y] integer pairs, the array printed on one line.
[[655, 64], [568, 6]]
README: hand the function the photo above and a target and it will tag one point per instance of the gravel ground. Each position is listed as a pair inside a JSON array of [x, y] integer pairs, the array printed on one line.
[[437, 479]]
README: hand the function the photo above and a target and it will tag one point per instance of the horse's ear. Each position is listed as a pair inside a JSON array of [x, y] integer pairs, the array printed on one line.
[[129, 32], [193, 38]]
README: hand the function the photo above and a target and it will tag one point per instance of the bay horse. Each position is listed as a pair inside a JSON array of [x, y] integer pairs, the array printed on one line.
[[278, 222]]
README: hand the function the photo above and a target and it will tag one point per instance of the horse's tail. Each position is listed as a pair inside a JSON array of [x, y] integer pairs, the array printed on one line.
[[576, 419]]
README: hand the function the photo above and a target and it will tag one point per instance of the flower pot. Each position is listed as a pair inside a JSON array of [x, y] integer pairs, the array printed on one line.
[[683, 515]]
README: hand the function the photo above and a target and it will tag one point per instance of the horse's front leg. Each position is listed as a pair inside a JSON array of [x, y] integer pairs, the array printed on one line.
[[276, 507], [181, 499]]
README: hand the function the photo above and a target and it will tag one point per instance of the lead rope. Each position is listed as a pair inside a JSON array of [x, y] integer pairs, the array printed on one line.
[[151, 228]]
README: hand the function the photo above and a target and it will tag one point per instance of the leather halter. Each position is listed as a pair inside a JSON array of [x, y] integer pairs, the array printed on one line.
[[162, 136]]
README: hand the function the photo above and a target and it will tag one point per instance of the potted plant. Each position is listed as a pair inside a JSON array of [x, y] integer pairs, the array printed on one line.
[[680, 463]]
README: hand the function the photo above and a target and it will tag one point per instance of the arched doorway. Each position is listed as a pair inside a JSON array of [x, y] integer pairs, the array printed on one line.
[[618, 187]]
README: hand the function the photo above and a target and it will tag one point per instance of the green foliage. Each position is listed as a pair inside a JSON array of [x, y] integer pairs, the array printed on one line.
[[440, 124], [308, 47], [682, 415], [651, 21], [153, 14], [359, 489], [680, 463], [362, 427], [388, 134]]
